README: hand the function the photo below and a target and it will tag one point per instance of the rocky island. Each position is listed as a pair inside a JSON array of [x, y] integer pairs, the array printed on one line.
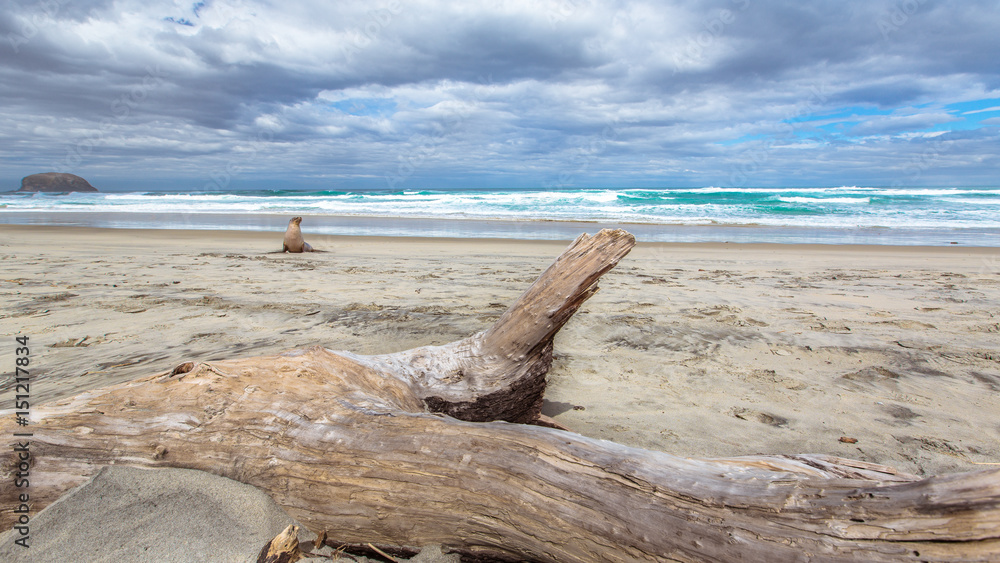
[[55, 182]]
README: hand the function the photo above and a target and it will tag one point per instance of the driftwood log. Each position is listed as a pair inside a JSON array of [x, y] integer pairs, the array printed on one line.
[[284, 548], [425, 446]]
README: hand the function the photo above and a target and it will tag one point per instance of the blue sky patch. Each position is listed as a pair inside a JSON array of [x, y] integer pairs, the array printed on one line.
[[848, 112], [848, 123], [179, 21], [743, 139], [974, 113]]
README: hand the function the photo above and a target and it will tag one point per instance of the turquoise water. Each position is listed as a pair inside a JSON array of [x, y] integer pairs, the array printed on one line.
[[914, 215]]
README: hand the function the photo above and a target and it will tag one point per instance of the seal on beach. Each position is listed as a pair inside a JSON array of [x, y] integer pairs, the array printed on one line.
[[293, 238]]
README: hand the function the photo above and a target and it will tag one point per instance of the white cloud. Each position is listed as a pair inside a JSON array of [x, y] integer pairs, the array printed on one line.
[[994, 108], [902, 123]]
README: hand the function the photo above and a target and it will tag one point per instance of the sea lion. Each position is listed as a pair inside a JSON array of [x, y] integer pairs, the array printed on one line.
[[293, 238]]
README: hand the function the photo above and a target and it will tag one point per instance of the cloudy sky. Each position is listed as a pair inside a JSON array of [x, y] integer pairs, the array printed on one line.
[[404, 94]]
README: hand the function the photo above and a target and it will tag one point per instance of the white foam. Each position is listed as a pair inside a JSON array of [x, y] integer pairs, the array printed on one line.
[[840, 207], [825, 199]]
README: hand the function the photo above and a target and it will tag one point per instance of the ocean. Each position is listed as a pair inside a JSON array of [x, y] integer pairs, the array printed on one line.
[[839, 215]]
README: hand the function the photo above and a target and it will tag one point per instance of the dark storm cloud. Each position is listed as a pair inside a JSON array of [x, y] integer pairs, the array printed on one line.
[[507, 93]]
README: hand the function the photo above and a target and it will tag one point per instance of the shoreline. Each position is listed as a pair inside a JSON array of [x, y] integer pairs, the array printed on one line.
[[469, 228], [698, 350], [261, 235]]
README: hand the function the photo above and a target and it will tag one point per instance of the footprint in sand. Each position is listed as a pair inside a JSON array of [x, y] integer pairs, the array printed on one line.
[[744, 413], [835, 328], [770, 378], [882, 314], [870, 376], [991, 381], [731, 318], [901, 414], [714, 311], [909, 325], [78, 342]]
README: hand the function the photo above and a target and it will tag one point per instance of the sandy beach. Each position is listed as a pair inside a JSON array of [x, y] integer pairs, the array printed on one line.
[[698, 350]]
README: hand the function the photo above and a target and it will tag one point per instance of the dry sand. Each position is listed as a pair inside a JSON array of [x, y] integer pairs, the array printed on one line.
[[176, 515], [696, 350], [126, 515]]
